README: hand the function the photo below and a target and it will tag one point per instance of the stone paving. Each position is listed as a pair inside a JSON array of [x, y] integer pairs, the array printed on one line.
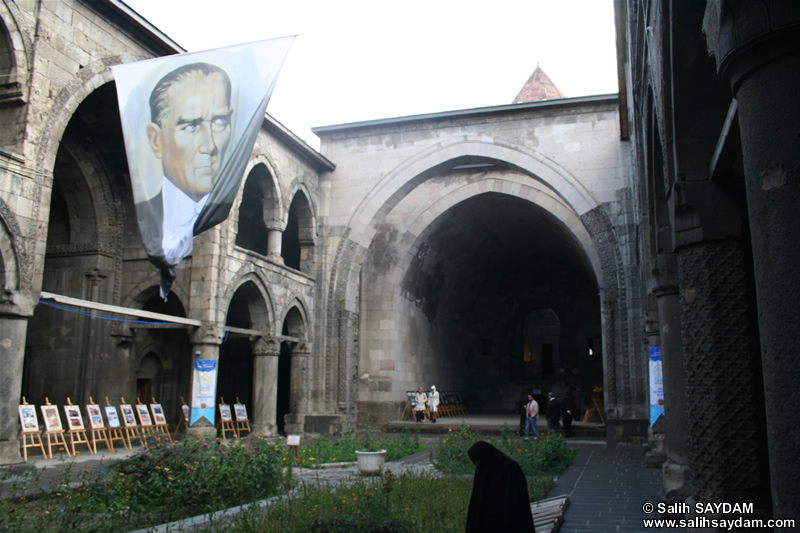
[[607, 489]]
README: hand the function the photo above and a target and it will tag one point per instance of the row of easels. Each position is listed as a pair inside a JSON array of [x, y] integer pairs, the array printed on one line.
[[124, 429], [228, 424]]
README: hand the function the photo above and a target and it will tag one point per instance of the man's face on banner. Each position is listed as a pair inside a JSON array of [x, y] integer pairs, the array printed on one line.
[[194, 133]]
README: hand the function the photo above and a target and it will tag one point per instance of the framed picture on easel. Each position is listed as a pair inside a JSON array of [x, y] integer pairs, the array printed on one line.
[[144, 415], [127, 415], [158, 414], [225, 412], [95, 417], [28, 419], [241, 412], [74, 420], [52, 421], [112, 416]]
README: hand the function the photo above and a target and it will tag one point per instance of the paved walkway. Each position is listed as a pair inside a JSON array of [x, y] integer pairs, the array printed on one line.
[[607, 489]]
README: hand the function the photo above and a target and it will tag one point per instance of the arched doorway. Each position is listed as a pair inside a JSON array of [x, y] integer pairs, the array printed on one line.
[[248, 311], [163, 355]]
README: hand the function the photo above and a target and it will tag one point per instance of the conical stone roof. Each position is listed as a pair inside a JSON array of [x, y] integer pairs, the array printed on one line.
[[538, 87]]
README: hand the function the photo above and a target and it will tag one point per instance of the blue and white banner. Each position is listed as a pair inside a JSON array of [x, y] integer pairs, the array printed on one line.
[[656, 385], [189, 122], [204, 390]]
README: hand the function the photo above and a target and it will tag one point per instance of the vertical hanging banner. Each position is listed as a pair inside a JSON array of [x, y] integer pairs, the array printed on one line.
[[204, 389], [656, 385], [189, 122]]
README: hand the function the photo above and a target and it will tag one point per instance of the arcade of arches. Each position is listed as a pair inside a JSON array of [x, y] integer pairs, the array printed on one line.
[[534, 245]]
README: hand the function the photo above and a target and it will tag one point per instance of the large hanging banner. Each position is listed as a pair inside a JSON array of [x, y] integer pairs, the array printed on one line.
[[204, 389], [189, 122], [656, 385]]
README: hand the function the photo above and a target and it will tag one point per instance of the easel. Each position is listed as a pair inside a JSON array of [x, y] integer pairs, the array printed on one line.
[[596, 404], [98, 428], [115, 433], [186, 412], [226, 425], [159, 420], [53, 430], [131, 429], [28, 431], [77, 431], [147, 427], [242, 424], [408, 411], [293, 441]]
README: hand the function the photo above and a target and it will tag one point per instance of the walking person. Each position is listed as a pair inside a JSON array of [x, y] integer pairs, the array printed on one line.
[[532, 416], [433, 403], [420, 399], [553, 413], [499, 500]]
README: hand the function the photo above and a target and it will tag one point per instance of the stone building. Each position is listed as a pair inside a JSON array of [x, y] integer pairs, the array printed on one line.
[[535, 245], [489, 251], [710, 94]]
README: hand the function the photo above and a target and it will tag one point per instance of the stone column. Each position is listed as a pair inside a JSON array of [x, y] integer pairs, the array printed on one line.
[[757, 49], [205, 347], [265, 385], [676, 470], [12, 354], [298, 387], [722, 377], [274, 241]]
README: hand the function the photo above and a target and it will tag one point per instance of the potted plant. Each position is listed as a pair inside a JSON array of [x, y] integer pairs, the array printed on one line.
[[370, 457]]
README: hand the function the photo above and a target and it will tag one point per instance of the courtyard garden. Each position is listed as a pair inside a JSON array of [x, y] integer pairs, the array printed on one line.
[[169, 482]]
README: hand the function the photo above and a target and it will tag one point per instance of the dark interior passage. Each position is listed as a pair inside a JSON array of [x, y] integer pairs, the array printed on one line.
[[481, 272]]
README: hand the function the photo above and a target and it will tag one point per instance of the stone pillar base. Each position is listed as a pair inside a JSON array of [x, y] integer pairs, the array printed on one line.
[[266, 430], [677, 480], [294, 423], [9, 452]]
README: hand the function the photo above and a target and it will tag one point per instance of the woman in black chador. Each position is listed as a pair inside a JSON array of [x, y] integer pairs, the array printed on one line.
[[499, 499]]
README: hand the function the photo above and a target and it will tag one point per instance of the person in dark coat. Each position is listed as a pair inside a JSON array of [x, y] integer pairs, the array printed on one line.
[[499, 501], [568, 412], [553, 413]]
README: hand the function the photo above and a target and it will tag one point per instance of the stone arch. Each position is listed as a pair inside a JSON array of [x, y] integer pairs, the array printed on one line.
[[18, 46], [259, 210], [250, 274], [56, 120], [15, 57], [293, 368], [299, 234], [249, 308], [567, 199], [295, 320], [171, 347], [392, 187]]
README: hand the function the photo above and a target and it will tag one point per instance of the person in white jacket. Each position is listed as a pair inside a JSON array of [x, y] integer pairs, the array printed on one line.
[[433, 403]]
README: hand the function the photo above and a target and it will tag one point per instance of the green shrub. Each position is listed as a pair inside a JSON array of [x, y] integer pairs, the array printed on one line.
[[385, 504], [343, 448], [540, 460], [163, 483]]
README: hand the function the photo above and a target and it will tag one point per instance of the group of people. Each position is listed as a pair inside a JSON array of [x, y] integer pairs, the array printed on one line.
[[421, 399], [566, 409]]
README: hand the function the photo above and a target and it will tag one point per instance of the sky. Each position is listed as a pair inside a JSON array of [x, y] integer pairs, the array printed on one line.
[[357, 60]]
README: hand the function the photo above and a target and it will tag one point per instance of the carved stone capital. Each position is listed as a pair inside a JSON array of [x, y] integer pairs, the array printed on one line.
[[266, 346]]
